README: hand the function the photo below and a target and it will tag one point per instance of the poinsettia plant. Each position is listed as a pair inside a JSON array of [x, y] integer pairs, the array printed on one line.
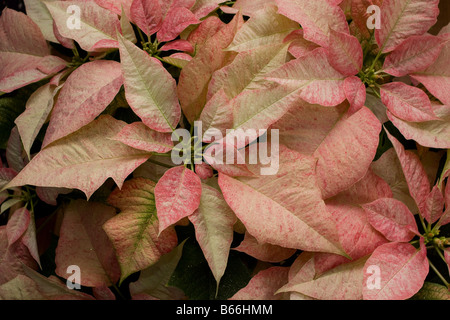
[[117, 117]]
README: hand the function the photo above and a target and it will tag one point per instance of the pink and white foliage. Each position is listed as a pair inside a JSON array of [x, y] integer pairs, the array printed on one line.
[[312, 78], [213, 222], [314, 70], [416, 177], [317, 18], [400, 21], [322, 138], [407, 102], [75, 108], [403, 270], [263, 285], [134, 232], [149, 88], [415, 54], [88, 247], [345, 54], [290, 221], [392, 218], [355, 92], [137, 135], [23, 51], [263, 251], [96, 24], [84, 170], [177, 195]]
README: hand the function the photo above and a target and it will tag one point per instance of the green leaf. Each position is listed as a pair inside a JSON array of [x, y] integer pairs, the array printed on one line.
[[432, 291]]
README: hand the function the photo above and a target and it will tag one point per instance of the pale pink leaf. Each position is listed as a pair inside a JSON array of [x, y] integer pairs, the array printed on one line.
[[17, 225], [247, 70], [179, 45], [280, 220], [177, 195], [345, 54], [312, 78], [147, 15], [362, 128], [134, 231], [299, 46], [149, 88], [436, 78], [263, 285], [96, 23], [401, 19], [434, 205], [355, 92], [125, 25], [213, 222], [314, 130], [205, 30], [53, 288], [177, 19], [75, 108], [51, 64], [202, 8], [265, 27], [415, 174], [250, 7], [39, 13], [263, 251], [116, 5], [22, 48], [392, 218], [388, 167], [94, 157], [178, 59], [315, 17], [139, 136], [204, 171], [403, 270], [416, 54], [217, 115], [357, 236], [432, 134], [406, 102], [82, 242], [341, 283], [196, 75], [38, 108], [65, 42], [360, 14]]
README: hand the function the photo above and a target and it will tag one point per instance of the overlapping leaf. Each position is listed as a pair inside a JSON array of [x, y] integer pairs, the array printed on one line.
[[83, 160], [280, 220], [83, 243], [97, 25], [177, 195], [149, 88], [134, 231], [76, 108], [400, 20]]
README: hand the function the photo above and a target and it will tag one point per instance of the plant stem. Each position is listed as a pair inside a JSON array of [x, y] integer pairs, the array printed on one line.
[[438, 274]]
